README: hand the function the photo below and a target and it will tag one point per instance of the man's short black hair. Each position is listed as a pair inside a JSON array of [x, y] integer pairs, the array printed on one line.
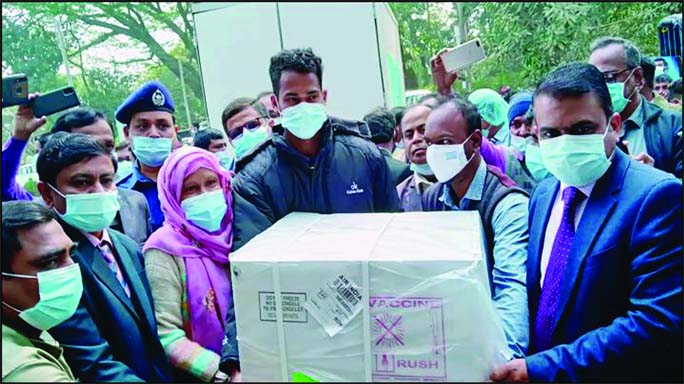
[[661, 60], [299, 60], [413, 106], [381, 124], [17, 216], [648, 67], [47, 136], [77, 118], [240, 104], [663, 78], [204, 137], [575, 80], [469, 110], [65, 150]]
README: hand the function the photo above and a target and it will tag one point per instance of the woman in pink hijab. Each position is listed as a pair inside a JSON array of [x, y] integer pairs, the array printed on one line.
[[186, 261]]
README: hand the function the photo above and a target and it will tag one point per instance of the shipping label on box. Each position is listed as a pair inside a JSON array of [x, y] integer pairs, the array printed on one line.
[[293, 307]]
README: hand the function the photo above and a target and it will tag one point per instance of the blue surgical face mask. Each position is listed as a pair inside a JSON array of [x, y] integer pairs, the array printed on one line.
[[575, 160], [89, 212], [206, 210], [248, 140], [304, 120], [518, 143], [534, 163], [59, 292], [617, 94], [226, 159], [151, 151], [422, 169]]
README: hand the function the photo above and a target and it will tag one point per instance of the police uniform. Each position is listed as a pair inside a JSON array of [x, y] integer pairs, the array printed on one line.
[[151, 96]]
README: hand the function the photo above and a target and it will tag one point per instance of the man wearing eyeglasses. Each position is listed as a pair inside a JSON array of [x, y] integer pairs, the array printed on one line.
[[648, 129], [246, 123]]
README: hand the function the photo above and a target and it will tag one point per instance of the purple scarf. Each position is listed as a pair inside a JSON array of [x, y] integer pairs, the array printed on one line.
[[205, 254]]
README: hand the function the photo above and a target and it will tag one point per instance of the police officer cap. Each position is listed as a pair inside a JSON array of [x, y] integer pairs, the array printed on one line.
[[151, 96]]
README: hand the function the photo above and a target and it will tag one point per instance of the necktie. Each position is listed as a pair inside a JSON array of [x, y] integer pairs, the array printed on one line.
[[108, 254], [550, 294]]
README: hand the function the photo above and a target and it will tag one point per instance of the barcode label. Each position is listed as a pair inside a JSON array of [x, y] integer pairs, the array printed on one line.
[[335, 304], [346, 293]]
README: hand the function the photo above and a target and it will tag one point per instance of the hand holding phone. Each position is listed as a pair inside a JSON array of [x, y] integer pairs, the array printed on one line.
[[55, 101], [463, 55], [25, 124], [443, 79]]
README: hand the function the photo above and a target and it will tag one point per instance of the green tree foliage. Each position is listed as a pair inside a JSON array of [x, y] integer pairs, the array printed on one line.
[[424, 29], [30, 46], [524, 41], [27, 48], [138, 22]]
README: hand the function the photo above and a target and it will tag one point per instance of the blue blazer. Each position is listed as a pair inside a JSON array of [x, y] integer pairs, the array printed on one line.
[[112, 337], [620, 311]]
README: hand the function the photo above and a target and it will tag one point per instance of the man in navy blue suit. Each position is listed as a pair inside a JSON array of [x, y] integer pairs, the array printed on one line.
[[604, 272]]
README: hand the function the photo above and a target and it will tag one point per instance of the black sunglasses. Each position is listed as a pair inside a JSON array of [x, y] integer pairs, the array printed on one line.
[[250, 125]]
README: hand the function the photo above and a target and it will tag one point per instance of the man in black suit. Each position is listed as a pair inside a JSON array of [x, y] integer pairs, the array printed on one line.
[[133, 218], [382, 125], [113, 334]]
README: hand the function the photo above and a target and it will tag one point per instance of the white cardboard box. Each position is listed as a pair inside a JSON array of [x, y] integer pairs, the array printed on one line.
[[367, 297]]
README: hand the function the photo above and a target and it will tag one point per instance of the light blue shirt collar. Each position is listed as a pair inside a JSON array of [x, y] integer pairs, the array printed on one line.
[[474, 192], [636, 117]]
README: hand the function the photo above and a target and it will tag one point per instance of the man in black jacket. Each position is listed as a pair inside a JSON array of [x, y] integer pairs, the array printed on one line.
[[313, 162], [649, 129], [381, 124]]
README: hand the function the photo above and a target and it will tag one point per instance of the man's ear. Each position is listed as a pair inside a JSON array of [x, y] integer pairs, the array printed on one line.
[[616, 123], [325, 96], [127, 134], [274, 103], [176, 128], [46, 194], [397, 134], [476, 139], [639, 77]]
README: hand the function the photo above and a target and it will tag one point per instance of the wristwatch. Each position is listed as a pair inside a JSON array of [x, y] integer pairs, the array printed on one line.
[[221, 377]]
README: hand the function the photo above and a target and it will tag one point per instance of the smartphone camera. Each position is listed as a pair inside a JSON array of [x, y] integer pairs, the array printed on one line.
[[14, 90]]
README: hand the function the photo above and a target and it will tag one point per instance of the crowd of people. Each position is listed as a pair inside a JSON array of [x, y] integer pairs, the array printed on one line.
[[122, 274]]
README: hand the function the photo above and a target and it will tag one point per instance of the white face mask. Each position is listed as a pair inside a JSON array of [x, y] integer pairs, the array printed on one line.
[[447, 160]]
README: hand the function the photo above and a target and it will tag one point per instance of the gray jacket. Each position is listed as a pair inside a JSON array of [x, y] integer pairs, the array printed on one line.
[[133, 218]]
